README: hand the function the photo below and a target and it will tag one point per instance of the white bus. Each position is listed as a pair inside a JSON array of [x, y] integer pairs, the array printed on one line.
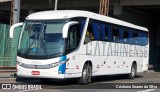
[[79, 44]]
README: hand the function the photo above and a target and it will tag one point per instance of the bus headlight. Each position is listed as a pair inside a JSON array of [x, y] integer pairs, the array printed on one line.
[[58, 63], [62, 60]]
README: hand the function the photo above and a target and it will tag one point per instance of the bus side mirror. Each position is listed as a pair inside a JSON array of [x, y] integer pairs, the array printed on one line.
[[12, 29], [66, 27]]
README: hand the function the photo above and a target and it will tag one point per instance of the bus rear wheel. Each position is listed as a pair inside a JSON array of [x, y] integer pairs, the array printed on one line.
[[86, 74], [132, 74]]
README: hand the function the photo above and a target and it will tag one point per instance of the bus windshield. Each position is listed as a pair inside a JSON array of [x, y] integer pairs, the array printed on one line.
[[41, 39]]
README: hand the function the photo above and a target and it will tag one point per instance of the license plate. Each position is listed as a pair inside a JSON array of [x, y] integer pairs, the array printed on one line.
[[35, 72]]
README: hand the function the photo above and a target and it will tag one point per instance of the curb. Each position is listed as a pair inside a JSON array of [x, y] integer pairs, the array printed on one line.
[[7, 80], [7, 75], [7, 70]]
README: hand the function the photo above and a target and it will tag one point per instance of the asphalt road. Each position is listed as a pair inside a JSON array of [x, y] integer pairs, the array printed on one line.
[[144, 82]]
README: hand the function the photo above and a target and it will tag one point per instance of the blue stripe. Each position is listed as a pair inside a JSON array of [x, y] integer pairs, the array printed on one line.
[[62, 68]]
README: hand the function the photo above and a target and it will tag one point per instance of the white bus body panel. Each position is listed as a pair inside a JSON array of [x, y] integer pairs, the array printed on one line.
[[104, 60], [107, 62], [46, 73]]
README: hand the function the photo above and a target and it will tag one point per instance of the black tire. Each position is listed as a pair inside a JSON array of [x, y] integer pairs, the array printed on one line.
[[44, 80], [18, 79], [133, 72], [86, 74]]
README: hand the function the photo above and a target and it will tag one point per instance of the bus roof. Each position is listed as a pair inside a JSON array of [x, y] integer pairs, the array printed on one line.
[[64, 14]]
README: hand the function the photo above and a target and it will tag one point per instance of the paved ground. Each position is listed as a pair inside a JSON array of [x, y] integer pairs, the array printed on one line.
[[102, 84]]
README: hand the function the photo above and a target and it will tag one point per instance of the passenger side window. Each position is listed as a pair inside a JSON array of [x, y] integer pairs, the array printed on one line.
[[96, 29], [105, 32], [135, 38], [125, 36], [116, 36], [89, 34], [143, 38], [102, 32], [93, 31]]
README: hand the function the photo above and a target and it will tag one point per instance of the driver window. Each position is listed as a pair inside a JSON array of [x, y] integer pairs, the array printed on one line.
[[73, 38]]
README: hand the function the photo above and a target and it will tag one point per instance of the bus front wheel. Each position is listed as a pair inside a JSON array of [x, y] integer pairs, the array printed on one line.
[[86, 74]]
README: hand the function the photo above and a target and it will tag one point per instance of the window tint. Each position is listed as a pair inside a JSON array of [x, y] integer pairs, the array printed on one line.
[[143, 38], [101, 31], [96, 30], [135, 39], [81, 21], [103, 35], [89, 34], [93, 31], [105, 32], [116, 36], [126, 36], [108, 33], [73, 39]]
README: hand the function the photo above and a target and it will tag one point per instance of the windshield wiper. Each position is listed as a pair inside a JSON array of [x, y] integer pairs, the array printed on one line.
[[55, 54]]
